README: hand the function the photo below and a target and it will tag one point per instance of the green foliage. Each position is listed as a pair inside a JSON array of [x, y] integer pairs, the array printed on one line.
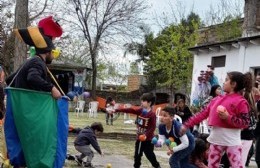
[[167, 59], [113, 73], [134, 68], [170, 62], [101, 68], [229, 29]]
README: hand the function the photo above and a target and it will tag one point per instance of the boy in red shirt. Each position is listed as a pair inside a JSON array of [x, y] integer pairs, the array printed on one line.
[[146, 124]]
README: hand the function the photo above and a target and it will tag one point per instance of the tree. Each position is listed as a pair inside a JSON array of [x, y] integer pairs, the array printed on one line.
[[113, 73], [225, 10], [6, 43], [134, 69], [116, 75], [76, 50], [251, 10], [12, 47], [230, 29], [104, 22], [142, 49], [224, 21], [21, 21], [170, 62]]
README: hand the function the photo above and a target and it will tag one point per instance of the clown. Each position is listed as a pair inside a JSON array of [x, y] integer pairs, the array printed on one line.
[[36, 103]]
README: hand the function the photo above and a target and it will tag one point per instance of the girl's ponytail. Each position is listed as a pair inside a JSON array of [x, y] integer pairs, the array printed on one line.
[[248, 82], [248, 85], [244, 82]]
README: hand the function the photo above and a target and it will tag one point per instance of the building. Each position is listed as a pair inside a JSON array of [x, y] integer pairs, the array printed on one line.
[[70, 76], [135, 82], [241, 54]]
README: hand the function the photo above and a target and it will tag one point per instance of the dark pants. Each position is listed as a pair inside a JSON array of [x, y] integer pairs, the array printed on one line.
[[147, 148], [257, 151], [225, 161], [2, 106], [181, 158], [85, 151], [109, 116], [250, 154]]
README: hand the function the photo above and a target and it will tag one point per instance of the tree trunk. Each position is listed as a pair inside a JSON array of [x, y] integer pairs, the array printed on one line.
[[251, 10], [21, 21], [8, 55], [94, 73]]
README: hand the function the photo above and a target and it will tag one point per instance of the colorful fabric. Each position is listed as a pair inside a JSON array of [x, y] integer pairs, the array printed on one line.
[[235, 104], [213, 80], [36, 129], [233, 153]]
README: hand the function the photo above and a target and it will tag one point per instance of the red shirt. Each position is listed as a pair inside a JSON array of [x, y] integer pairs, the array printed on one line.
[[146, 122]]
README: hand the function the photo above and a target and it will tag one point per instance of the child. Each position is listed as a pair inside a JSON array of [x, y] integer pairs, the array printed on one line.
[[82, 143], [146, 123], [183, 110], [247, 134], [214, 92], [110, 103], [200, 154], [227, 114], [169, 129]]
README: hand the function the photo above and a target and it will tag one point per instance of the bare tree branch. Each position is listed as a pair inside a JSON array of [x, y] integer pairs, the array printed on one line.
[[39, 13], [105, 22]]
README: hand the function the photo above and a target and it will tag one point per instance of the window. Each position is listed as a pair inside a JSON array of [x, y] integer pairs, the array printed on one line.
[[219, 61]]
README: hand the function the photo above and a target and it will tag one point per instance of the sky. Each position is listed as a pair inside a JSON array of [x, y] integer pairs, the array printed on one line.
[[158, 7], [201, 7]]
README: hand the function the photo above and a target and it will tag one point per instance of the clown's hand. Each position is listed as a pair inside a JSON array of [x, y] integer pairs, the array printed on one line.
[[55, 93]]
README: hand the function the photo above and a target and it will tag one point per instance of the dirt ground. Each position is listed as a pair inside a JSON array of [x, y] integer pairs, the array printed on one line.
[[120, 161]]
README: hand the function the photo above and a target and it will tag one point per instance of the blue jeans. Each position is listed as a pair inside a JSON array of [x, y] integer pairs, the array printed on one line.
[[181, 158]]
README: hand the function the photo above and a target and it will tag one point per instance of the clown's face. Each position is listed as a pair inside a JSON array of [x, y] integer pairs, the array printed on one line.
[[49, 57]]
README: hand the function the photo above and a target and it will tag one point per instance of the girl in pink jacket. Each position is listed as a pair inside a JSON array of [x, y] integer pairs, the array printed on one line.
[[227, 115]]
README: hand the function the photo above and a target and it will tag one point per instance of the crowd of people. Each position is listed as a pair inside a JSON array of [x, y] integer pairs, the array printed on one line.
[[230, 114]]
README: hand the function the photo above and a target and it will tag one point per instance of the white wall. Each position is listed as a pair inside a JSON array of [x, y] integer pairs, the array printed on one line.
[[203, 59], [237, 59], [252, 57]]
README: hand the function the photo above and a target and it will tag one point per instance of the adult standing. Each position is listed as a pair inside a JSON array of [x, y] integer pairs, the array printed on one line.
[[212, 78], [39, 121]]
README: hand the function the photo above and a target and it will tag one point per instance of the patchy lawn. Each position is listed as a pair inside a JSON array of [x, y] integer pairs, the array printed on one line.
[[118, 152]]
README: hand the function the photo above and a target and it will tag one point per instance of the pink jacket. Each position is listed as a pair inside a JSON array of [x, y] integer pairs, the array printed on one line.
[[236, 105]]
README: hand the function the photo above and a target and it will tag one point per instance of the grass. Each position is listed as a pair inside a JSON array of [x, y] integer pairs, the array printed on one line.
[[118, 126], [110, 147]]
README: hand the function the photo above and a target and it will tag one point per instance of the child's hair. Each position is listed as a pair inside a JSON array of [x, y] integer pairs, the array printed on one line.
[[109, 100], [203, 136], [243, 81], [199, 150], [180, 101], [169, 110], [213, 90], [149, 97], [97, 126]]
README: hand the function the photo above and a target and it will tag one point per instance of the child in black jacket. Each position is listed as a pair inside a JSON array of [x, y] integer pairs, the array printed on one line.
[[85, 138]]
